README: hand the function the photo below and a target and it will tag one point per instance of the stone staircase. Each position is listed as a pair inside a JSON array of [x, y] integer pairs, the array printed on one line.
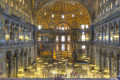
[[58, 79]]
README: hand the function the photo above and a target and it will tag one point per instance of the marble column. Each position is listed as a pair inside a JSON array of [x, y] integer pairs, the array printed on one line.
[[110, 66], [119, 67], [10, 67], [113, 34], [100, 61], [105, 35], [109, 35], [102, 34], [119, 34], [104, 67], [8, 31], [118, 64], [22, 59], [25, 62], [24, 36], [13, 33], [14, 59], [18, 35], [17, 64]]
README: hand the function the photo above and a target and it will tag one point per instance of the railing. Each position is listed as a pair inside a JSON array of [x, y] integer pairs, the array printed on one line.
[[114, 44], [64, 31], [4, 44], [59, 79], [84, 42]]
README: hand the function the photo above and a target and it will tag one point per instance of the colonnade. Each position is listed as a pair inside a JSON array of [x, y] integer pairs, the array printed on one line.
[[108, 34], [17, 64], [15, 32], [107, 64]]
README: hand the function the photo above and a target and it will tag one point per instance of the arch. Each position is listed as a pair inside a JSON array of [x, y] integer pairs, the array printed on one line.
[[21, 59], [17, 24], [6, 21], [82, 8], [26, 59], [12, 23], [118, 63], [29, 56], [63, 23], [15, 63], [115, 23], [8, 63], [44, 23], [81, 22]]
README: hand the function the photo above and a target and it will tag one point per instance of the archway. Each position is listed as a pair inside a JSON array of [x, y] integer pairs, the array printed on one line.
[[8, 64], [26, 59], [29, 57], [15, 63], [118, 64]]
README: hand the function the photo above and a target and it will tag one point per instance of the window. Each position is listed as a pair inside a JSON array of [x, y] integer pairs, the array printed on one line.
[[57, 47], [83, 36], [63, 28], [86, 26], [62, 38], [39, 27], [83, 46], [68, 39], [68, 47], [73, 15], [20, 10], [52, 15], [82, 26], [111, 5], [23, 2], [6, 1], [16, 7], [39, 38], [57, 38], [11, 3], [63, 16], [63, 47], [59, 28]]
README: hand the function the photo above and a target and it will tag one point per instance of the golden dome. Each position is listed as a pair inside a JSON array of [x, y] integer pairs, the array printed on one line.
[[54, 11], [63, 6]]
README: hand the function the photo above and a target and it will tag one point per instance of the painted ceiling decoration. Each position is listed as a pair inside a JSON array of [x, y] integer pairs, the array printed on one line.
[[69, 10], [38, 4]]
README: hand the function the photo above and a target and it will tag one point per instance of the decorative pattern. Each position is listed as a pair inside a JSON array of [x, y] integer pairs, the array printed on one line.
[[1, 25]]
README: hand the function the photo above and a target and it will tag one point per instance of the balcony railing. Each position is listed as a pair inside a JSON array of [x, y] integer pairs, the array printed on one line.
[[114, 44], [84, 42], [59, 78], [4, 44]]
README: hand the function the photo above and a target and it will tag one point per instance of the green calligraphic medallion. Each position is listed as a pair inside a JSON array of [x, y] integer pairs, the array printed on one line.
[[1, 25]]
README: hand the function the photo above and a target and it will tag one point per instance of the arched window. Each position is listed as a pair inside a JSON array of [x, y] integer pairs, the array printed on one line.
[[57, 38], [63, 47], [62, 38], [11, 3], [6, 1], [62, 26], [16, 7]]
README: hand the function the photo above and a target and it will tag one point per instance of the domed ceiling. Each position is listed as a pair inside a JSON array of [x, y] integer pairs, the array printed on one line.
[[62, 7], [52, 11], [38, 4]]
